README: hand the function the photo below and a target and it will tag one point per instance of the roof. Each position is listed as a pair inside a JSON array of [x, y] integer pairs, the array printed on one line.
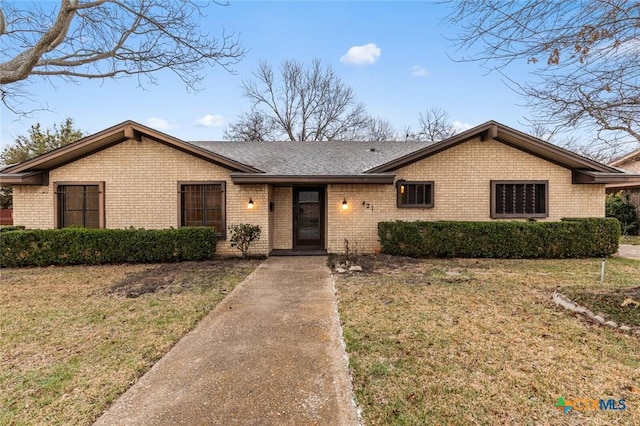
[[626, 158], [311, 162], [128, 130], [313, 158], [629, 163]]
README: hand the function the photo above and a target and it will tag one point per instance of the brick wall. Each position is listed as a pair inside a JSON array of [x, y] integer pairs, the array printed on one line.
[[141, 190], [282, 218], [462, 176]]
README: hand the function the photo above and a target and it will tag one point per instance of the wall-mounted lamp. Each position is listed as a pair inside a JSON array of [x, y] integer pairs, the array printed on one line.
[[250, 203], [345, 205]]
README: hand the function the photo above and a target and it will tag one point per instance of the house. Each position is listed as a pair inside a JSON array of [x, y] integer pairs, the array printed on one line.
[[304, 195], [631, 163]]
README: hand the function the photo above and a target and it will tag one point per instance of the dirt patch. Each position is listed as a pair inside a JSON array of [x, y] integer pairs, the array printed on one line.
[[414, 271], [621, 305], [375, 263], [175, 278]]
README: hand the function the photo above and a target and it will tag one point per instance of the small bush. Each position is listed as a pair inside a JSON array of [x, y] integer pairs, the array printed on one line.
[[72, 246], [619, 205], [242, 235], [8, 228], [570, 238]]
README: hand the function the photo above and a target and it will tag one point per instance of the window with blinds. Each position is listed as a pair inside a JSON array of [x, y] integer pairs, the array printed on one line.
[[519, 199], [79, 205], [415, 194], [203, 204]]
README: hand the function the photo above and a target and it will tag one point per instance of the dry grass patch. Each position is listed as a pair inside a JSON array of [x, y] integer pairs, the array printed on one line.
[[479, 342], [630, 239], [74, 338]]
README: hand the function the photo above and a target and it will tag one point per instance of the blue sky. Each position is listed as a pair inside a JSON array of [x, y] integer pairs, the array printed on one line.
[[398, 66]]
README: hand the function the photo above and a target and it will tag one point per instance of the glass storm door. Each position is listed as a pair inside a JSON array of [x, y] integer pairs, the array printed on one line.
[[308, 217]]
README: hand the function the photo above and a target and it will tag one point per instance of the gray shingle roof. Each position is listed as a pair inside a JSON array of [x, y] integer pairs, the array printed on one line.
[[312, 158]]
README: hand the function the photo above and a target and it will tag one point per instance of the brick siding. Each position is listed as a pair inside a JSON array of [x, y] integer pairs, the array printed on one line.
[[462, 176], [141, 191]]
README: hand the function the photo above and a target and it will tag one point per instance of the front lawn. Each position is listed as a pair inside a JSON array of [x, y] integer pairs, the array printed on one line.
[[630, 239], [74, 338], [465, 341]]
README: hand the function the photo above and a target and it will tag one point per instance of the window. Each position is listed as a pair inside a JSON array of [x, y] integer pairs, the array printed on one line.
[[513, 199], [79, 204], [415, 194], [203, 204]]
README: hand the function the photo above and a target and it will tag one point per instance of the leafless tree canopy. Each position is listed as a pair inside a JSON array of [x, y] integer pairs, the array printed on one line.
[[299, 104], [434, 125], [583, 58], [379, 129], [108, 39], [252, 126]]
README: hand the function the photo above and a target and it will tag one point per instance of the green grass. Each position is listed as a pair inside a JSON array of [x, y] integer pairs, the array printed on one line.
[[72, 339], [630, 239], [464, 341]]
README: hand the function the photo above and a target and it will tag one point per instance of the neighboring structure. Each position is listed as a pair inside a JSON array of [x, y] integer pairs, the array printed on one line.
[[6, 217], [630, 163], [304, 195]]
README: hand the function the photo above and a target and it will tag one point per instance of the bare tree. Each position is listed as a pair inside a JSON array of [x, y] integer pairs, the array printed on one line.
[[252, 126], [433, 125], [107, 39], [380, 129], [583, 59], [569, 141], [302, 103]]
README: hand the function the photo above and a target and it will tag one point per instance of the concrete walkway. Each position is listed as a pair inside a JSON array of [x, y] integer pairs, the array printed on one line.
[[629, 251], [269, 354]]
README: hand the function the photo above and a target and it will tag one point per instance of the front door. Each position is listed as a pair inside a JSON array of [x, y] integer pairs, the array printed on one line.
[[308, 217]]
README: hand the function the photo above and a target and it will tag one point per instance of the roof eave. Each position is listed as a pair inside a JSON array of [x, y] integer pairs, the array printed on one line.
[[591, 177], [29, 178], [630, 156], [257, 178], [494, 130]]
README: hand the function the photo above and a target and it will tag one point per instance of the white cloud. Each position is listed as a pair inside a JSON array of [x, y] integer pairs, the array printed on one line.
[[418, 71], [460, 127], [361, 55], [161, 124], [210, 120]]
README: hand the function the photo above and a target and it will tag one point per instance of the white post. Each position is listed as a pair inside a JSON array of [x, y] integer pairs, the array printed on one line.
[[602, 272]]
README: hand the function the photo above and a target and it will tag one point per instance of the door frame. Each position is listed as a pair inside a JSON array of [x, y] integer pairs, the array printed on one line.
[[321, 222]]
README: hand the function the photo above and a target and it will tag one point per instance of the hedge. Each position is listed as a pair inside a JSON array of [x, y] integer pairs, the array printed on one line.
[[71, 246], [569, 238]]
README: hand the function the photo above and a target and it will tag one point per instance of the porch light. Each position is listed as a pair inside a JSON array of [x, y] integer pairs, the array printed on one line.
[[344, 204], [250, 204]]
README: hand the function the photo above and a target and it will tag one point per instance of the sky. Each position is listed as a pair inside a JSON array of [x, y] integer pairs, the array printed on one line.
[[396, 56]]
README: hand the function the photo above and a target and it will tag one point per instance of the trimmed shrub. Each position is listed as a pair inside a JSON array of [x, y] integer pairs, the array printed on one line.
[[8, 228], [570, 238], [619, 205], [72, 246]]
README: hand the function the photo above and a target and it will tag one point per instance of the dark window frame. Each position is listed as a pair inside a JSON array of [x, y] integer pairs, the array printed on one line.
[[58, 217], [222, 233], [531, 215], [407, 183]]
